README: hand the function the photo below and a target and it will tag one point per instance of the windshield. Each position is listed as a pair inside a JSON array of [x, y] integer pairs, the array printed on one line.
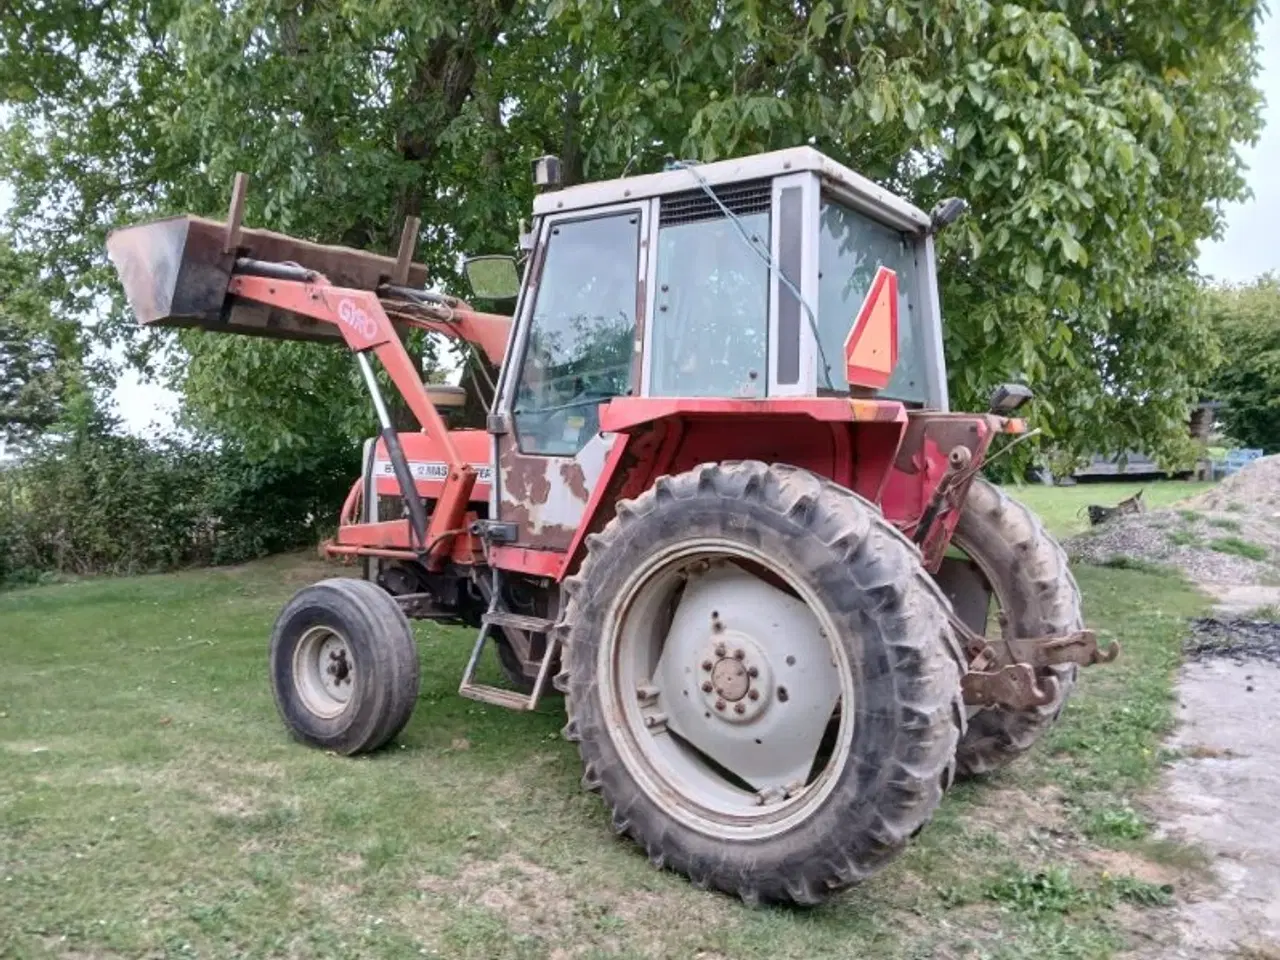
[[581, 337], [850, 249]]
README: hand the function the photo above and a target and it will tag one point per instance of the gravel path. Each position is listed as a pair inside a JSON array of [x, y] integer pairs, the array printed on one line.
[[1227, 535]]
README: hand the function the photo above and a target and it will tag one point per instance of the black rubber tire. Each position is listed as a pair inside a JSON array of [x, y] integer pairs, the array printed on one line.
[[385, 657], [909, 712], [1028, 570]]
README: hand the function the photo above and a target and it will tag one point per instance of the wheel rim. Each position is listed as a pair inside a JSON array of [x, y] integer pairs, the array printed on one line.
[[728, 700], [324, 671]]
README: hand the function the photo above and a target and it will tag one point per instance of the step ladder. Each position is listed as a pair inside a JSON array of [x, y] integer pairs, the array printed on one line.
[[497, 618]]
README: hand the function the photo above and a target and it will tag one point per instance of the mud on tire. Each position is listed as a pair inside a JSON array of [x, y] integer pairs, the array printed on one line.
[[1028, 571], [354, 625], [891, 622]]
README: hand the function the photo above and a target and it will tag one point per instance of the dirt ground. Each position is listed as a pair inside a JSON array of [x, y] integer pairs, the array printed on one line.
[[1222, 794]]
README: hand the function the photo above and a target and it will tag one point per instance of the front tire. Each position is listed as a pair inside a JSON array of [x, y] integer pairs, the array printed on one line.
[[344, 666], [683, 715]]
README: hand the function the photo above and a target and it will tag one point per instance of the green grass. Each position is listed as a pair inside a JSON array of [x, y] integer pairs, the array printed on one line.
[[1241, 548], [1064, 508], [151, 805]]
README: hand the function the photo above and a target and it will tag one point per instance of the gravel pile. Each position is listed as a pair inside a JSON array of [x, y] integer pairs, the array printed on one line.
[[1234, 637], [1229, 535]]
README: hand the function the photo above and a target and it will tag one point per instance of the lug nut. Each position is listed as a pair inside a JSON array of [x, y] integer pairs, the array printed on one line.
[[706, 665], [719, 704], [739, 708], [753, 694], [739, 655], [753, 672], [706, 687]]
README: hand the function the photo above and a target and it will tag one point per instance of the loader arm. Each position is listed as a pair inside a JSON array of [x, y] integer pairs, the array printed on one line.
[[358, 316]]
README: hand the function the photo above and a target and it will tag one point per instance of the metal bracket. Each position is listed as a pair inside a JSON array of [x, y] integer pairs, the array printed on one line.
[[1080, 647], [495, 531], [1014, 686]]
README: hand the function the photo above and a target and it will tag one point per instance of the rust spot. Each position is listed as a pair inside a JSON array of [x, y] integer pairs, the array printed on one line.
[[524, 479], [571, 474]]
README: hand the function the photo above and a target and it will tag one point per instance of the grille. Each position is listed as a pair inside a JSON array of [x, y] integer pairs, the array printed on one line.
[[694, 205]]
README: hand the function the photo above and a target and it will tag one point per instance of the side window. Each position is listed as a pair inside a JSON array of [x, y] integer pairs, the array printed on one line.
[[581, 335], [711, 312], [850, 248]]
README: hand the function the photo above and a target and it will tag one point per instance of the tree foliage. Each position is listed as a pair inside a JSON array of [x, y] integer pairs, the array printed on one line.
[[1247, 319], [93, 501], [1095, 140], [39, 358]]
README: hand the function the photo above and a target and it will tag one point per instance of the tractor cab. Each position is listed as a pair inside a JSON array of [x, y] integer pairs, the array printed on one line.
[[779, 277], [736, 279]]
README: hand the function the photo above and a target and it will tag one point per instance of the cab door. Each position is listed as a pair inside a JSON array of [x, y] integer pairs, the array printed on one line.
[[578, 346]]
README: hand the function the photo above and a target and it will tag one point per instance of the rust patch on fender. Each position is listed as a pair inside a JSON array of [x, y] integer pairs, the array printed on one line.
[[524, 479], [571, 473]]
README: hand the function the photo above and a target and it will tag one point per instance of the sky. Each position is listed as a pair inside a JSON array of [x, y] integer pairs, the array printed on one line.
[[1247, 248]]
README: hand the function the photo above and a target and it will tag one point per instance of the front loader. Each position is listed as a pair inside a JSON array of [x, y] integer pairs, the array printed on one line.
[[719, 502]]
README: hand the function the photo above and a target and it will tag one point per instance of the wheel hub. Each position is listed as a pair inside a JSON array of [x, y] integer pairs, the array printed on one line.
[[739, 682], [745, 676], [730, 679], [324, 671]]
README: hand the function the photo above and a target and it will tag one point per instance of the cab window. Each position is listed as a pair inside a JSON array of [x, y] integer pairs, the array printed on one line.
[[710, 333], [851, 247], [581, 336]]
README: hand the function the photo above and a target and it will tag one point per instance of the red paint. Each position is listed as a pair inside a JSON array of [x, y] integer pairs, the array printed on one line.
[[540, 563], [473, 446], [623, 413]]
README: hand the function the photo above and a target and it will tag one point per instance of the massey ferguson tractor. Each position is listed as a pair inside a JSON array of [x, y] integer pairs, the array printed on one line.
[[718, 501]]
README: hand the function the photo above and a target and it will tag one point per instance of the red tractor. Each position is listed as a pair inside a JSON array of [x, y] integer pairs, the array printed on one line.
[[719, 501]]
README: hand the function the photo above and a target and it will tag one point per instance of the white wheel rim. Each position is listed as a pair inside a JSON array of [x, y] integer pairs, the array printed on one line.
[[324, 671], [677, 738]]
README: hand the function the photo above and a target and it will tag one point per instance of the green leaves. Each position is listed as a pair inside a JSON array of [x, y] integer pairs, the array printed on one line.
[[1094, 143], [1246, 319]]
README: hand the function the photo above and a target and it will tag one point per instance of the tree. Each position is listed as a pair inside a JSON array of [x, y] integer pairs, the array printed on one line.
[[1247, 320], [1095, 140], [38, 357]]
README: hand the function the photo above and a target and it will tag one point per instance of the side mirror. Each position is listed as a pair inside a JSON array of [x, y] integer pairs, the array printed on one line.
[[948, 212], [493, 277], [1008, 397]]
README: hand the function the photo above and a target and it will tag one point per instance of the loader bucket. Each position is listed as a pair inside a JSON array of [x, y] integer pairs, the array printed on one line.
[[175, 273]]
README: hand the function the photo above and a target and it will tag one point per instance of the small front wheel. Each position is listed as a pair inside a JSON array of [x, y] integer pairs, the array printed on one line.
[[344, 666]]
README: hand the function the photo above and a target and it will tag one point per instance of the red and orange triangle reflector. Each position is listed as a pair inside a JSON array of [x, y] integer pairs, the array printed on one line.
[[871, 349]]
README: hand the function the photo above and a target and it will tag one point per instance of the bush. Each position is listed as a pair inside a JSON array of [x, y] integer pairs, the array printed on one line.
[[103, 503]]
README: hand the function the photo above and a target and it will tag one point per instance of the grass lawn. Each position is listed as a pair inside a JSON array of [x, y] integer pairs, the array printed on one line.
[[151, 805], [1064, 509]]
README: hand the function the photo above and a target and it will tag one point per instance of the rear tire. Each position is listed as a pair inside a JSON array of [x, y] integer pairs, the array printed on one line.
[[344, 666], [1028, 571], [820, 541]]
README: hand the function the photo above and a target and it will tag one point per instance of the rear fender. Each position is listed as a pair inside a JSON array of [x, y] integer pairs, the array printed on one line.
[[922, 463], [852, 442]]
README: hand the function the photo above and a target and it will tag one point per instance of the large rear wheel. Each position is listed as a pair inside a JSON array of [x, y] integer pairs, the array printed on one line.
[[1014, 561], [761, 680]]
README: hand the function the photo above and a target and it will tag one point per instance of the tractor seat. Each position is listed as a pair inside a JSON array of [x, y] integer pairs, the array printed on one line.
[[445, 396]]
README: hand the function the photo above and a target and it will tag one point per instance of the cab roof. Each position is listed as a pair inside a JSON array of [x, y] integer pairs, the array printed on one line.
[[838, 180]]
